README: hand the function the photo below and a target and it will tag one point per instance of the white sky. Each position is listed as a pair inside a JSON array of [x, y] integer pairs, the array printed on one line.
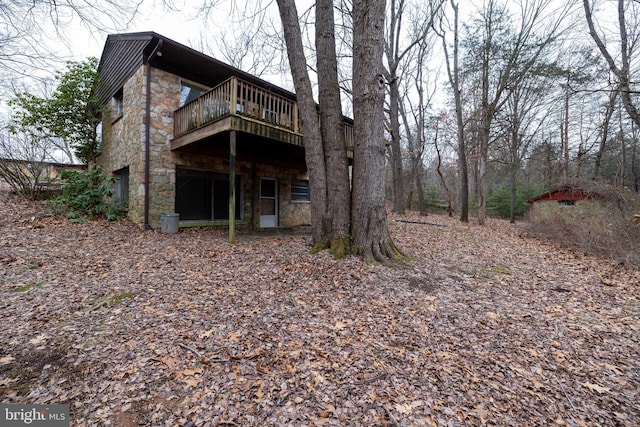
[[77, 41], [179, 26]]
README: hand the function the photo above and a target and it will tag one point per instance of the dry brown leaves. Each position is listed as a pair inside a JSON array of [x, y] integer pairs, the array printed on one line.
[[484, 327]]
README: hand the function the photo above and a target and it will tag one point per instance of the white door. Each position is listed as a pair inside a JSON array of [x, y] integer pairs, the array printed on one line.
[[268, 202]]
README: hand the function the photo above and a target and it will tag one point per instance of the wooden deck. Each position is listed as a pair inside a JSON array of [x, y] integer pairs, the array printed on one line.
[[241, 106]]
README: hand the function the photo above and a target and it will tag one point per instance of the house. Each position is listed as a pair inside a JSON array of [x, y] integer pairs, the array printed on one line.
[[565, 195], [559, 202], [186, 133]]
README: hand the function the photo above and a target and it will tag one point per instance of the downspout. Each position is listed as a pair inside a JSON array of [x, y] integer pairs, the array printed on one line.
[[147, 137]]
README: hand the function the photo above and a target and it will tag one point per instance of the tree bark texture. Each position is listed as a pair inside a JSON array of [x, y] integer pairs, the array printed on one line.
[[369, 218], [396, 150], [332, 128], [314, 152]]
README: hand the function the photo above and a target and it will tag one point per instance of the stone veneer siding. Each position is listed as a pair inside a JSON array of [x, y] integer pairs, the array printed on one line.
[[124, 145], [123, 142]]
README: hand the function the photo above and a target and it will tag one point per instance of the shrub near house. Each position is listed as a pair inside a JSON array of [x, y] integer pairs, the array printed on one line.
[[597, 220]]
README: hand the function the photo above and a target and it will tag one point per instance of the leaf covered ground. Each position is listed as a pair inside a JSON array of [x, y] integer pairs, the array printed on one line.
[[485, 327]]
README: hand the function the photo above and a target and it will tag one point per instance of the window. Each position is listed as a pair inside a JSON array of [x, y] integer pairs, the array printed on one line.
[[99, 138], [117, 104], [300, 190], [205, 196], [189, 92], [566, 202], [121, 191]]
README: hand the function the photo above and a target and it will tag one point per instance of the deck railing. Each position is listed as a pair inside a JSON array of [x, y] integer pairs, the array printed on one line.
[[237, 97]]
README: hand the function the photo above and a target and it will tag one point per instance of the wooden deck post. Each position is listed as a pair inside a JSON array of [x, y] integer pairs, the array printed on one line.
[[232, 186], [233, 99]]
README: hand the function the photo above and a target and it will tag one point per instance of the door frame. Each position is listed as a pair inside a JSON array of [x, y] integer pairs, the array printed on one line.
[[267, 221]]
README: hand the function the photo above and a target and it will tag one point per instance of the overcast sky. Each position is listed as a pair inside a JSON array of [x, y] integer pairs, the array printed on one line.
[[179, 26]]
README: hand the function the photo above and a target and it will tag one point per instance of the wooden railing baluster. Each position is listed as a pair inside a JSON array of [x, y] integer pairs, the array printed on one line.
[[241, 98]]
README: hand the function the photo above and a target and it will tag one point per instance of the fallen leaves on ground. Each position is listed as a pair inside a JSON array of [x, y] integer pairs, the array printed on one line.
[[484, 327]]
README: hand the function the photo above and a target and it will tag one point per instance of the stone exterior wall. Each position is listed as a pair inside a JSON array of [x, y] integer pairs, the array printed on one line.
[[124, 146], [290, 214], [165, 99], [123, 142]]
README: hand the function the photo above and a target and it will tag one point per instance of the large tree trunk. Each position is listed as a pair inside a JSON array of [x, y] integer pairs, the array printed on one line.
[[369, 218], [314, 152], [338, 189]]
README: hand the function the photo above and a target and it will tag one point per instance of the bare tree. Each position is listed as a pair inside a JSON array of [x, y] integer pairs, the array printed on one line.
[[24, 163], [314, 151], [453, 74], [333, 140], [398, 45], [502, 53], [603, 134], [417, 96], [28, 26], [524, 117], [369, 217], [369, 233], [252, 41], [628, 34], [416, 137], [443, 181]]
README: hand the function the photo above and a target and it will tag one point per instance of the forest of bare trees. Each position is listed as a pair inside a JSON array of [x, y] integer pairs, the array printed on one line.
[[470, 107]]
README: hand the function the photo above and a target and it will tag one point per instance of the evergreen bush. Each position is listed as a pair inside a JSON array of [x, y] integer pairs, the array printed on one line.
[[87, 194], [499, 200]]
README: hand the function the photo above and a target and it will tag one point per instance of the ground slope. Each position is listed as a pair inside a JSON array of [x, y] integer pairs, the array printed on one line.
[[485, 327]]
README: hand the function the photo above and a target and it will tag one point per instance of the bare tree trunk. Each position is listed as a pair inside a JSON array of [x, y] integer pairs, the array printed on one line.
[[422, 203], [634, 160], [604, 132], [513, 178], [415, 142], [396, 150], [369, 218], [485, 135], [564, 135], [314, 152], [394, 53], [623, 152], [338, 188], [453, 73], [439, 169], [621, 72]]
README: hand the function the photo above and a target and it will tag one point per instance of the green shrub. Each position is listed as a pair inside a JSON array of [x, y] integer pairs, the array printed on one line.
[[434, 198], [87, 194], [499, 200]]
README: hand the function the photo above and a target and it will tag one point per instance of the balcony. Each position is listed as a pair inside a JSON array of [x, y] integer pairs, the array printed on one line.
[[241, 106]]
